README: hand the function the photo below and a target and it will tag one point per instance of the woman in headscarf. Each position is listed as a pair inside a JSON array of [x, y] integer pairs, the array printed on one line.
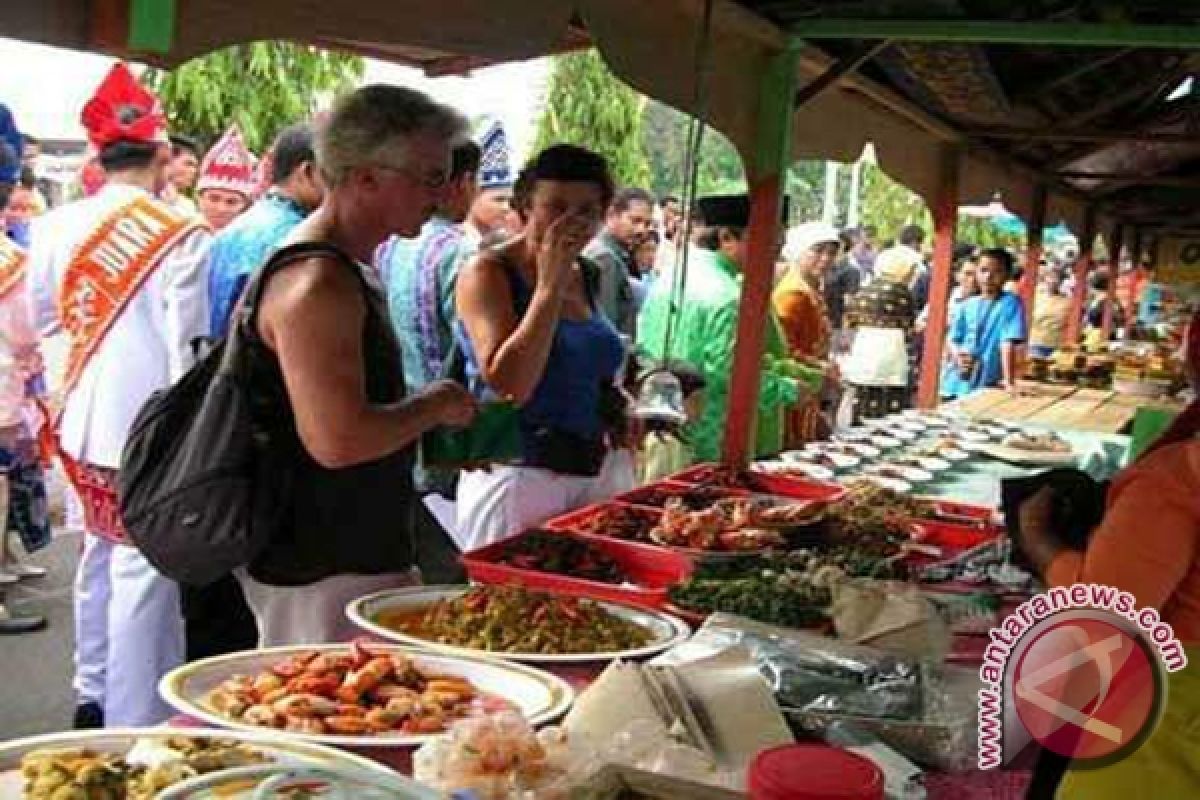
[[810, 251], [882, 316], [1147, 544]]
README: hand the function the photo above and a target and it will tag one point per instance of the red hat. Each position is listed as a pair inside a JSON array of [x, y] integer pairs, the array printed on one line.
[[123, 110], [229, 165]]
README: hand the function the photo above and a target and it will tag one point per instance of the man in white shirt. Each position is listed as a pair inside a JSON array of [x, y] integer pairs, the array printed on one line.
[[122, 273]]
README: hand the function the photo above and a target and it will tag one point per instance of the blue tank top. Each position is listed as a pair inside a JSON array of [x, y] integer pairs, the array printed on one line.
[[585, 355]]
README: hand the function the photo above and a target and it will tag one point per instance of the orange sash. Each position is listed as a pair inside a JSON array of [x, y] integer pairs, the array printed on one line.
[[12, 265], [106, 272]]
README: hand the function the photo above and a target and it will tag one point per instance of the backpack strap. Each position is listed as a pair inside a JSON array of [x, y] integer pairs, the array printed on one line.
[[243, 334]]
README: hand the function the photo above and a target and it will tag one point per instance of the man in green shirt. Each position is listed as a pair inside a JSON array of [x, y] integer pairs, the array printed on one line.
[[705, 327]]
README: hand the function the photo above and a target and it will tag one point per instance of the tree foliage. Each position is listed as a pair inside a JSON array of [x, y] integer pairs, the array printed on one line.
[[587, 105], [665, 140], [263, 87]]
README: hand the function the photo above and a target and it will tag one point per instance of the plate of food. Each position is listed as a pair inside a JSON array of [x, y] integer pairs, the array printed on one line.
[[928, 463], [973, 435], [905, 436], [839, 458], [853, 435], [801, 469], [884, 442], [1037, 449], [514, 624], [944, 448], [885, 482], [856, 448], [902, 472], [833, 462], [359, 694], [143, 763]]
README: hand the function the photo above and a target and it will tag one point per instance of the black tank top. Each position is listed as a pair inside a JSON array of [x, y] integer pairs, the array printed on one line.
[[356, 520]]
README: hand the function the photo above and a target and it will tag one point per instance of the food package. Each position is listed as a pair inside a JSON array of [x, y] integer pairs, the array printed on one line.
[[703, 721], [500, 757], [923, 709], [889, 615]]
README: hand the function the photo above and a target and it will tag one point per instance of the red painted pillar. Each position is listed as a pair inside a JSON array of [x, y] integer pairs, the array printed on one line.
[[1033, 249], [945, 225], [1115, 240], [1083, 266], [762, 246]]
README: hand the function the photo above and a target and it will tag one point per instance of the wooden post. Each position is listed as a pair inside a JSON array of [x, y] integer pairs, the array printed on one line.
[[1115, 240], [1083, 266], [1033, 250], [1131, 301], [762, 247], [945, 225]]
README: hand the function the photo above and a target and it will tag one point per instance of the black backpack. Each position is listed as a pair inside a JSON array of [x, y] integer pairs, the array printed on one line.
[[202, 486]]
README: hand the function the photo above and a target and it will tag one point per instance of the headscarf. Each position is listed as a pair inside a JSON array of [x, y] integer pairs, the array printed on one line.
[[897, 264], [804, 237]]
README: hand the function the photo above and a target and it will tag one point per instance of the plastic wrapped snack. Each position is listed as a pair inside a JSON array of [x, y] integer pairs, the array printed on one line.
[[500, 757], [925, 710]]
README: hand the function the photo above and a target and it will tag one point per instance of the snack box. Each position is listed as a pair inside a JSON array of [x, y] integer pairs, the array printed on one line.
[[651, 570], [793, 488]]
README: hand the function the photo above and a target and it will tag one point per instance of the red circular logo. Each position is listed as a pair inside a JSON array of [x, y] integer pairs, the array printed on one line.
[[1087, 688]]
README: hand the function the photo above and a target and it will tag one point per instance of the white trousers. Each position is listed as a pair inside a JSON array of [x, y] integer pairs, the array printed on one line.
[[503, 501], [128, 633], [316, 613]]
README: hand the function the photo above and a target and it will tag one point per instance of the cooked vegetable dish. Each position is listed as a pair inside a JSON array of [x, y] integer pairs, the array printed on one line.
[[83, 774], [503, 619], [789, 590], [546, 551]]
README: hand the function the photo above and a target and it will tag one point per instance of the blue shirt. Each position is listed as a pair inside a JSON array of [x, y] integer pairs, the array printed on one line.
[[243, 247], [585, 354], [419, 277], [981, 327]]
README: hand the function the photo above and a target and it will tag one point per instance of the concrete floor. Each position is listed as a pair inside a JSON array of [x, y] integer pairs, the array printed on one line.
[[36, 668]]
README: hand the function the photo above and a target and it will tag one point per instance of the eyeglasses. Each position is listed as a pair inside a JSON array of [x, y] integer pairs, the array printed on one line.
[[433, 180]]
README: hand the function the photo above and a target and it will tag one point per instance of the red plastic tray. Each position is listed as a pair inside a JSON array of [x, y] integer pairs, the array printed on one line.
[[954, 540], [981, 514], [653, 569], [779, 485], [644, 496], [572, 521]]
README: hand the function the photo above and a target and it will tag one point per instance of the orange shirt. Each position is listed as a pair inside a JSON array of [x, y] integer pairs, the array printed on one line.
[[801, 311], [1149, 541]]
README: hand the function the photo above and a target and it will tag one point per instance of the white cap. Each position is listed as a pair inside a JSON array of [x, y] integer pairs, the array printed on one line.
[[802, 238]]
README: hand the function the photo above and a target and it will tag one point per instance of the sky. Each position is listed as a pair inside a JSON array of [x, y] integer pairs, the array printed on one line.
[[46, 87]]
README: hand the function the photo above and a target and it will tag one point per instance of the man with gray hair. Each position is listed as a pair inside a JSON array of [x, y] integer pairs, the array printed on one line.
[[353, 526]]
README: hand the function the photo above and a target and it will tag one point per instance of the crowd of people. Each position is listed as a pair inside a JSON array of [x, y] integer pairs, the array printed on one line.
[[396, 279]]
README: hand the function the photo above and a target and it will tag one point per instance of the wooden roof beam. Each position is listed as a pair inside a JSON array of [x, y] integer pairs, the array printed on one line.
[[1068, 75], [836, 72], [1091, 135], [1171, 37]]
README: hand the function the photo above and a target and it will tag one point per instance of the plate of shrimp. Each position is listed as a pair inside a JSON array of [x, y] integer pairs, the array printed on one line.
[[359, 694]]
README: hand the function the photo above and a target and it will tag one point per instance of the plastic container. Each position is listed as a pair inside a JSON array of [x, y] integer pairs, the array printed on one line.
[[652, 569], [954, 539], [813, 772], [979, 515], [646, 495]]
